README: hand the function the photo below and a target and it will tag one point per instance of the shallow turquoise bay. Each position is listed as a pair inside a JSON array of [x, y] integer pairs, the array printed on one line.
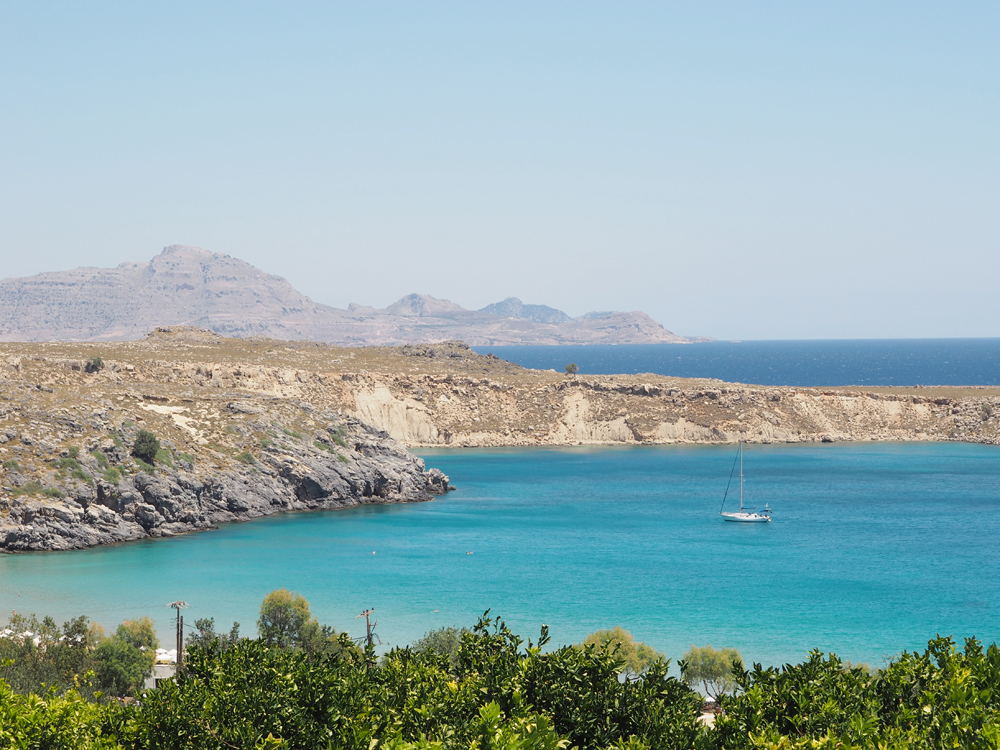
[[875, 548]]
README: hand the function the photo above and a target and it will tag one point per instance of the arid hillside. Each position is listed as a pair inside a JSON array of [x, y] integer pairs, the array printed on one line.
[[254, 427]]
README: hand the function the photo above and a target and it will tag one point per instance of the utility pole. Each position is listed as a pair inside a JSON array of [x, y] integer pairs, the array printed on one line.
[[370, 634], [178, 662]]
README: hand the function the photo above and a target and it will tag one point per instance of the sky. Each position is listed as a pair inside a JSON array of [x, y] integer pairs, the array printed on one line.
[[736, 170]]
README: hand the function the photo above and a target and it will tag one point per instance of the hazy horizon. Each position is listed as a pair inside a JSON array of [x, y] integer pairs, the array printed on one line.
[[759, 173]]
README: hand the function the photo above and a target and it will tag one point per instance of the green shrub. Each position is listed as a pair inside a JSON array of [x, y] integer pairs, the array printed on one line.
[[164, 456], [94, 364], [112, 475], [186, 457], [117, 439], [340, 438], [102, 460], [343, 459], [292, 433], [323, 446], [11, 465], [34, 487], [246, 458], [266, 442], [66, 462], [146, 447], [82, 476]]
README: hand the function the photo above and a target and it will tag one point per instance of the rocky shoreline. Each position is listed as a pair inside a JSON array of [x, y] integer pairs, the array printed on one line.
[[252, 428], [288, 475]]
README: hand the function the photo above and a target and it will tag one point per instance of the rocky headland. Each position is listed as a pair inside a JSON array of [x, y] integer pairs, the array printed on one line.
[[254, 427]]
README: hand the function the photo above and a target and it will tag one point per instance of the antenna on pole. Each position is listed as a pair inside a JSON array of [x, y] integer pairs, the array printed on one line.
[[179, 605]]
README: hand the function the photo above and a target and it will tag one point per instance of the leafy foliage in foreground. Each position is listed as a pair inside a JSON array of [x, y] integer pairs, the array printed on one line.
[[497, 695], [494, 692], [944, 697]]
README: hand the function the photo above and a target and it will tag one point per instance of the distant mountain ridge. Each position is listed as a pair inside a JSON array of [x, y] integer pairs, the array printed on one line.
[[189, 286]]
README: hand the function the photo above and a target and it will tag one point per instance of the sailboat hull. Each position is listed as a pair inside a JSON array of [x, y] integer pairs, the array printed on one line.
[[746, 517]]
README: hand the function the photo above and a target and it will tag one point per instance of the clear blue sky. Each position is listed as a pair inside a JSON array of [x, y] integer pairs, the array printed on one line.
[[737, 170]]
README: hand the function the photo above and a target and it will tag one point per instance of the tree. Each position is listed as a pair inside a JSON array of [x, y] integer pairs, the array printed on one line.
[[126, 659], [205, 636], [635, 658], [146, 446], [284, 616], [572, 369], [712, 668], [443, 641], [94, 364]]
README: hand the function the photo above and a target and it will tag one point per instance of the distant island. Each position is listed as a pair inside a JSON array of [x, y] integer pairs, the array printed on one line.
[[190, 286]]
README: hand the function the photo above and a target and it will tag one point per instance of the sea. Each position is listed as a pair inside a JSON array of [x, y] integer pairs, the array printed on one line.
[[871, 362], [874, 549]]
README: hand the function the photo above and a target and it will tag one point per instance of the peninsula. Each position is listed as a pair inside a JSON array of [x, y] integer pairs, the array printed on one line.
[[254, 427]]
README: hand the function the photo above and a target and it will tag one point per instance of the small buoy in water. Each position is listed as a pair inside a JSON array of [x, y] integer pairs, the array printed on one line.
[[468, 553], [373, 552]]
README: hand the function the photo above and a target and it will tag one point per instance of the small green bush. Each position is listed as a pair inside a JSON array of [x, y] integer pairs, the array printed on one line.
[[164, 456], [112, 475], [36, 488], [146, 447], [292, 433], [117, 439], [148, 468], [94, 364], [265, 442], [11, 465], [246, 457], [102, 460], [342, 458], [33, 487], [322, 446], [82, 476], [340, 438], [66, 462], [186, 457]]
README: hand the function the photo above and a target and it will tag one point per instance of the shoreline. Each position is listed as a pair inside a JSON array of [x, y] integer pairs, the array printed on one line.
[[251, 428]]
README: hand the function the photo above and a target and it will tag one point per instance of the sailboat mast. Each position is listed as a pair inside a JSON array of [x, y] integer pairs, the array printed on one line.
[[741, 477]]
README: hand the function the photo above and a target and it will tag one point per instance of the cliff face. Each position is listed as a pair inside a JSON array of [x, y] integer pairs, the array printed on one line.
[[69, 479], [190, 286], [257, 427]]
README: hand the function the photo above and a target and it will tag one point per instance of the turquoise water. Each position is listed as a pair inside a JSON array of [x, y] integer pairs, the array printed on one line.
[[874, 548]]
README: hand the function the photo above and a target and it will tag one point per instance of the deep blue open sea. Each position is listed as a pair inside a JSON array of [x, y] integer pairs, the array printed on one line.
[[874, 548], [798, 363]]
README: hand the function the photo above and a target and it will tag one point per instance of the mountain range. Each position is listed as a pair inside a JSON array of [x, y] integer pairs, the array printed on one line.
[[189, 286]]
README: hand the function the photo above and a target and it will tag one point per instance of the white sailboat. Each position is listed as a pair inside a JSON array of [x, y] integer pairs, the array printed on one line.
[[745, 514]]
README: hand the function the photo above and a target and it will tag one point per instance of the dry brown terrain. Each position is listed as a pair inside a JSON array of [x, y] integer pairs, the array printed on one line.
[[181, 380], [252, 427]]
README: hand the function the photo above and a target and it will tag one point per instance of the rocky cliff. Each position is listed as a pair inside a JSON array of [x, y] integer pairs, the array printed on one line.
[[69, 478], [257, 427], [190, 286]]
